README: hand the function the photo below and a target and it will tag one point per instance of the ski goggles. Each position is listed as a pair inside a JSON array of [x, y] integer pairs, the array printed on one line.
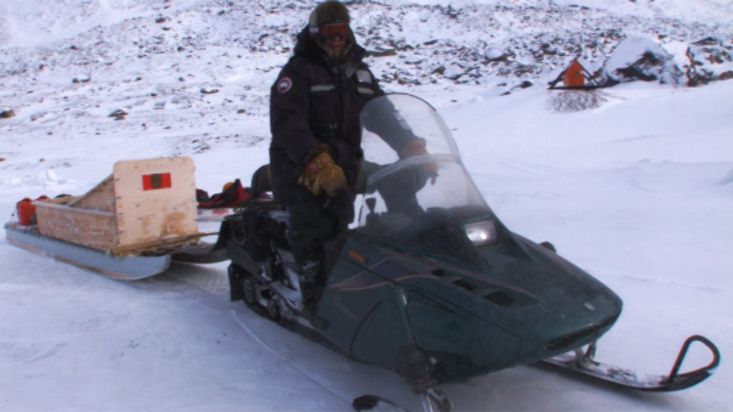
[[328, 31]]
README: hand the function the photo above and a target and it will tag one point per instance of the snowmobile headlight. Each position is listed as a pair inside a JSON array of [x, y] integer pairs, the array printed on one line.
[[481, 233]]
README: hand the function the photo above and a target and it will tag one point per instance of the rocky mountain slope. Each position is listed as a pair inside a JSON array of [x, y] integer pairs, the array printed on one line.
[[198, 70]]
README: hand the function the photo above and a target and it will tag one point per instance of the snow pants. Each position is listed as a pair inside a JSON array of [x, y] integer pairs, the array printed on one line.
[[316, 220]]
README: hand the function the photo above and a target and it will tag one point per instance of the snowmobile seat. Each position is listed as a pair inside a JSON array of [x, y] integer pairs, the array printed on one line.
[[261, 181]]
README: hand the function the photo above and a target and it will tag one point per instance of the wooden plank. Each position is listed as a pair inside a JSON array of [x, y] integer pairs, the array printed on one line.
[[101, 197], [160, 246], [155, 200], [92, 228]]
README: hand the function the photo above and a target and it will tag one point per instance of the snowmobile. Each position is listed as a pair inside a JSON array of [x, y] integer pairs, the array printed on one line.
[[427, 281]]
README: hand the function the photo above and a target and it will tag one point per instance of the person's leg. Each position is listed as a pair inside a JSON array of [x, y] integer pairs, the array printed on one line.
[[310, 226]]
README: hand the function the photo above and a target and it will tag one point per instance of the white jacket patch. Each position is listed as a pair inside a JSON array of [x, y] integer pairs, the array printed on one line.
[[364, 76]]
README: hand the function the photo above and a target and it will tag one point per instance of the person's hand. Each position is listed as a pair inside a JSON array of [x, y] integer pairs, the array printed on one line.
[[322, 174], [416, 147], [413, 147]]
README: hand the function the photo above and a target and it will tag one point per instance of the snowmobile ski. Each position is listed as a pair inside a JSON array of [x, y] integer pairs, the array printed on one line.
[[431, 400], [584, 362], [120, 268], [435, 400]]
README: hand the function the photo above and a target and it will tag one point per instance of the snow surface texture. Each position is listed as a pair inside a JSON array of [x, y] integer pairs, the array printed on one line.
[[634, 184]]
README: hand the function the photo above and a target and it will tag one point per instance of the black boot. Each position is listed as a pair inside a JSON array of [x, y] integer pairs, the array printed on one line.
[[311, 289], [309, 274]]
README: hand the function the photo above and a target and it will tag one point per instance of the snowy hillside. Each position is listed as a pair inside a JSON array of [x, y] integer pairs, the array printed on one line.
[[637, 188], [196, 73]]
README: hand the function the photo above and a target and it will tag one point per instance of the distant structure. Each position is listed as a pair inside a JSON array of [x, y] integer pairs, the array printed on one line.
[[575, 76]]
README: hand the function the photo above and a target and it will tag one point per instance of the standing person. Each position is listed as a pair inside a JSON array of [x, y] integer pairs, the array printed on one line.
[[315, 153]]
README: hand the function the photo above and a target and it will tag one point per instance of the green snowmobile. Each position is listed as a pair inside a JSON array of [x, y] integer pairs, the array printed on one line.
[[427, 281]]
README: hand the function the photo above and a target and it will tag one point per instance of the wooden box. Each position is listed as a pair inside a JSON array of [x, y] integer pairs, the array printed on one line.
[[144, 206]]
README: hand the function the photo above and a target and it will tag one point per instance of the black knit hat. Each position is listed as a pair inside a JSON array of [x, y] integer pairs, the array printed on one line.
[[328, 12]]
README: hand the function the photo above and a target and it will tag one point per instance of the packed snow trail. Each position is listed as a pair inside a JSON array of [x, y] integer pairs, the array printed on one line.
[[313, 378]]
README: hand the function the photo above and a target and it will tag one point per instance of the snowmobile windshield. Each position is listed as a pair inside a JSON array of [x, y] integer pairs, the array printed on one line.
[[413, 179]]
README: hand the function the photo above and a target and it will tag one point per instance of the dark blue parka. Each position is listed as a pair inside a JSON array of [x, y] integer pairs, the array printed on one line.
[[315, 105]]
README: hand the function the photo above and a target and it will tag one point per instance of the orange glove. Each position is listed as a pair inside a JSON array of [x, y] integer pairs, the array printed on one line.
[[322, 174]]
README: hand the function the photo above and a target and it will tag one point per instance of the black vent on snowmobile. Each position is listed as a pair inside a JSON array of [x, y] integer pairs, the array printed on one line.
[[568, 340], [464, 284], [499, 298]]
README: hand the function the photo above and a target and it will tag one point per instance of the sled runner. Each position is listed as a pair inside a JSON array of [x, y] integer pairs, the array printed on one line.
[[115, 267]]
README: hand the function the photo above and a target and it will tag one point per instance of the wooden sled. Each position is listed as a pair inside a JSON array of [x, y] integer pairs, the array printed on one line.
[[144, 212]]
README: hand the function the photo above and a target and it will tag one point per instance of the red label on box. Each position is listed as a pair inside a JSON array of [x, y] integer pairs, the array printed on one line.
[[157, 181]]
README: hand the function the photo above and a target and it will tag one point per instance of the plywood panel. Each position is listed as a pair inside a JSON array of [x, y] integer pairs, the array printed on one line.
[[102, 197], [149, 212], [92, 228]]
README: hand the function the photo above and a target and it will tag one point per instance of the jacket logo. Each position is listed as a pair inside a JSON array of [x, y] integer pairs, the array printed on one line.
[[284, 85]]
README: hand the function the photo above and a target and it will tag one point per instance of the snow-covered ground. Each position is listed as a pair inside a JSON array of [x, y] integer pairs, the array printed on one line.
[[638, 191]]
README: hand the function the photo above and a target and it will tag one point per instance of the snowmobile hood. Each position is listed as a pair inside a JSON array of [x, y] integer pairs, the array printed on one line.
[[526, 305], [515, 285]]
